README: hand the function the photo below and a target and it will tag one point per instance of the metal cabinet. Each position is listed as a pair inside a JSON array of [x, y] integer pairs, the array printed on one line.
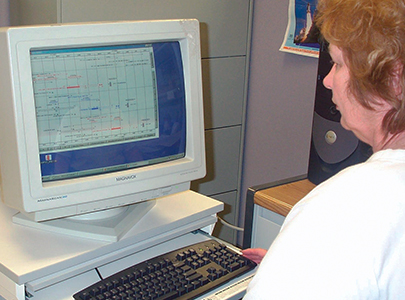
[[225, 38]]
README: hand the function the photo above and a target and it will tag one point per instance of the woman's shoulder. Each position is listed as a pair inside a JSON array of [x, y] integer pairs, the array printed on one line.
[[383, 167], [376, 185]]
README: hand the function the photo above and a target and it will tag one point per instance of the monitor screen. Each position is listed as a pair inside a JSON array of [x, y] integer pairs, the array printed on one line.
[[103, 109], [97, 116]]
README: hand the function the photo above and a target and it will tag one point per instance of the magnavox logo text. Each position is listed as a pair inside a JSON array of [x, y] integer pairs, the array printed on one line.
[[124, 178]]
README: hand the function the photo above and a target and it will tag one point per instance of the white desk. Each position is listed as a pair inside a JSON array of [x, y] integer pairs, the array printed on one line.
[[53, 266]]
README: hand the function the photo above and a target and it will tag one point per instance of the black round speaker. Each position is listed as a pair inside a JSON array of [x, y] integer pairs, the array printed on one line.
[[333, 148]]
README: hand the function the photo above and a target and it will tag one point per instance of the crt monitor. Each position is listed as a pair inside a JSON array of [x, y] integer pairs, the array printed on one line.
[[96, 117]]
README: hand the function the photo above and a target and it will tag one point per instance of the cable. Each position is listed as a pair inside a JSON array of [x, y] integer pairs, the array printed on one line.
[[229, 225]]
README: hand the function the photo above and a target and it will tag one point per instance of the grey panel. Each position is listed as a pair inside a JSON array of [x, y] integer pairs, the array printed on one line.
[[222, 149], [280, 102], [28, 12], [224, 80], [224, 23], [229, 215]]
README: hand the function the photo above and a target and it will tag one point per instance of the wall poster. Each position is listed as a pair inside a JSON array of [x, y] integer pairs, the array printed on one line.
[[301, 36]]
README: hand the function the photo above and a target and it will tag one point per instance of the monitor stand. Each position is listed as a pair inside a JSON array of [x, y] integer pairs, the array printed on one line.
[[107, 225]]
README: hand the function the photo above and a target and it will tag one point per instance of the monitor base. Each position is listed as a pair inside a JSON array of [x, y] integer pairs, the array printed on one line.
[[102, 226]]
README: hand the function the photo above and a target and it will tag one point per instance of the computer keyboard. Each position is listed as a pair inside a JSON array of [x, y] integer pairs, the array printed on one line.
[[185, 273]]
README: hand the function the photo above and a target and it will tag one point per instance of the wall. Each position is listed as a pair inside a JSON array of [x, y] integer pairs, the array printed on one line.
[[4, 20], [280, 102]]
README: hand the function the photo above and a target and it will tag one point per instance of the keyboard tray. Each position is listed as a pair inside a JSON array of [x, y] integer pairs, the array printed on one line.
[[185, 273]]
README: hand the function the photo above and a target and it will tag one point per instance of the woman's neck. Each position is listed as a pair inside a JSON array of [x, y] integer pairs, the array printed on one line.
[[392, 142]]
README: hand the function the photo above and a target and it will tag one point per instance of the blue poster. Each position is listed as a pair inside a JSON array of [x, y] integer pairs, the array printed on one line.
[[301, 36]]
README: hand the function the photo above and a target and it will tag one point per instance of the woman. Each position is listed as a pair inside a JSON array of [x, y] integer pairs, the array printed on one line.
[[346, 239]]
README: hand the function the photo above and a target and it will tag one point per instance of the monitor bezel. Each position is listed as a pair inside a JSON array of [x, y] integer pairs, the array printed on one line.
[[38, 195]]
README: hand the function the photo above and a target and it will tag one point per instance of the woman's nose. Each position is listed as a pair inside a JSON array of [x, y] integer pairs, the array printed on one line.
[[327, 81]]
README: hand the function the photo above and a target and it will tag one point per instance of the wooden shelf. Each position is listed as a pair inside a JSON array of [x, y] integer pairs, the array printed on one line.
[[282, 198]]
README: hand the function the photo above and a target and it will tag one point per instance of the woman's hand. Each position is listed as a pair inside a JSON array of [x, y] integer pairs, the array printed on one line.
[[255, 254]]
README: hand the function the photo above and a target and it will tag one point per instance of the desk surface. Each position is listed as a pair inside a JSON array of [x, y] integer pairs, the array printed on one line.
[[282, 198], [39, 258]]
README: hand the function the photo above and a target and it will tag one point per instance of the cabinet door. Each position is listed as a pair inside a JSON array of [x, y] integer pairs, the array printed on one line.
[[223, 82], [224, 23], [222, 150]]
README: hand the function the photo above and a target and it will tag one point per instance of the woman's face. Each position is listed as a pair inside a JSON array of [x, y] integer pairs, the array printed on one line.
[[355, 117]]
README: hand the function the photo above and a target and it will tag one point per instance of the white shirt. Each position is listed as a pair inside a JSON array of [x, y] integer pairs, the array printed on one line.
[[344, 240]]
